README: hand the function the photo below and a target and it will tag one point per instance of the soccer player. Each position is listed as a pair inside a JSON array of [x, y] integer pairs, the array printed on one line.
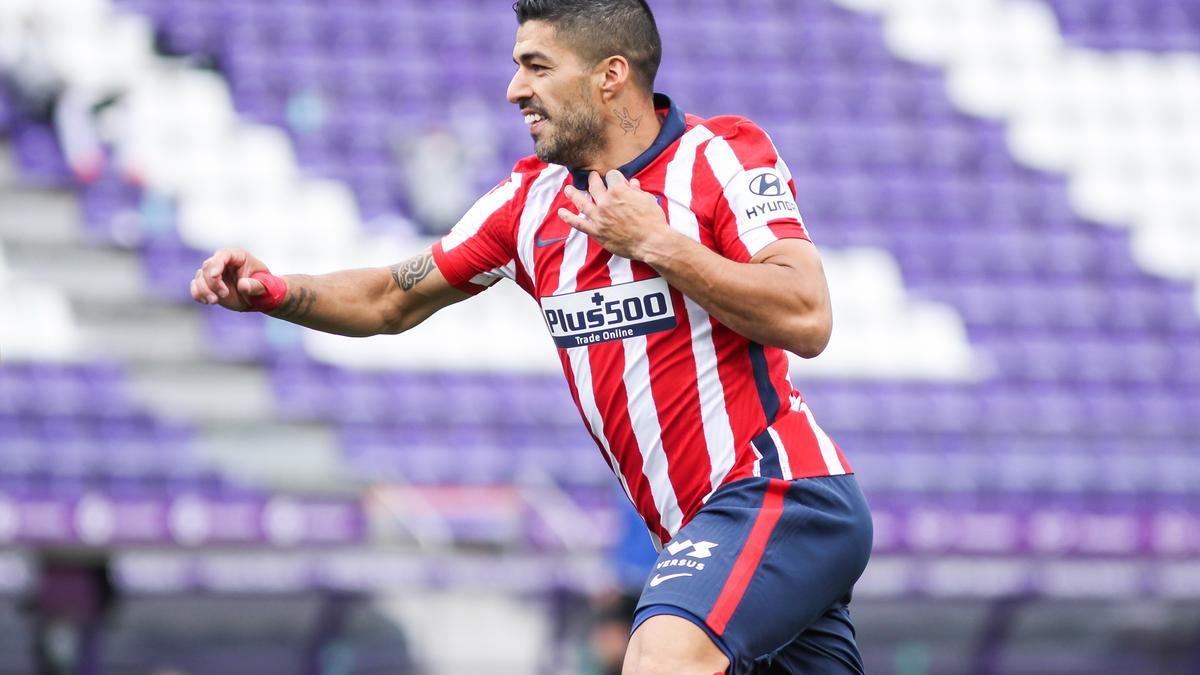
[[672, 268]]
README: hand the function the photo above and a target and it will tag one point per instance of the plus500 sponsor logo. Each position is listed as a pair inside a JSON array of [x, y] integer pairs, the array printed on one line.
[[613, 313]]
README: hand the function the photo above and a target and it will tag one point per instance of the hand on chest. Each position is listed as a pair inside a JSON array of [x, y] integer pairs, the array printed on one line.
[[623, 298]]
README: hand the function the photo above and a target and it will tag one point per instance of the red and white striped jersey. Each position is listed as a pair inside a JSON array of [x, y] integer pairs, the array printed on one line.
[[678, 403]]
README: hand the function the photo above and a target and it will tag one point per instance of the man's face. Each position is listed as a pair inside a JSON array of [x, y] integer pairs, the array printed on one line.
[[557, 95]]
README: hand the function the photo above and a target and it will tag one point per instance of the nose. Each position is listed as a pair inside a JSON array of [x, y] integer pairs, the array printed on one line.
[[518, 88]]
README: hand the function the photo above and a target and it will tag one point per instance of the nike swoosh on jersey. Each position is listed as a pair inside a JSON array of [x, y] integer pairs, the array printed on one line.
[[543, 243], [658, 580]]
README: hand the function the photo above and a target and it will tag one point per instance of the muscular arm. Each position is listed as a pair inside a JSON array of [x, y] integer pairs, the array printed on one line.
[[355, 303], [779, 298]]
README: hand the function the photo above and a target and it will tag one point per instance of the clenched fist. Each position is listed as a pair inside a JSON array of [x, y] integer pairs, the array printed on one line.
[[224, 279]]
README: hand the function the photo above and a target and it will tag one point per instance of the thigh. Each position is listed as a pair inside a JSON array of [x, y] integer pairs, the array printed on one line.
[[762, 561], [827, 647], [672, 645]]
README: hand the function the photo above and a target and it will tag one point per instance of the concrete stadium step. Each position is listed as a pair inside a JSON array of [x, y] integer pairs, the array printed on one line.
[[8, 167], [84, 273], [141, 333], [200, 392], [282, 456], [473, 646], [36, 215]]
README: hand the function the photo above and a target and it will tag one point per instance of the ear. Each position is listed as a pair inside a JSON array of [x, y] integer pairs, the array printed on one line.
[[614, 74]]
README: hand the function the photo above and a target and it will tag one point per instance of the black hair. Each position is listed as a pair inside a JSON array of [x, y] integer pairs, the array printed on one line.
[[598, 29]]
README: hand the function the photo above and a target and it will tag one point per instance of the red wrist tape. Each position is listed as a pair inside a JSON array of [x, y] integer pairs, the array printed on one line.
[[277, 290]]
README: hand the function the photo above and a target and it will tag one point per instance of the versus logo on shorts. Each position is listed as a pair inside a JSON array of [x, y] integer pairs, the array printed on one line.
[[614, 313], [700, 549]]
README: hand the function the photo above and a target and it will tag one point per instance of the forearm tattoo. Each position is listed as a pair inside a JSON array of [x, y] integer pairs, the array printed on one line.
[[297, 305], [629, 124], [410, 273]]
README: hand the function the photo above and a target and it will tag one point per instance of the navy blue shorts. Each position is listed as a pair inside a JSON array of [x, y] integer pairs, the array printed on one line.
[[766, 569]]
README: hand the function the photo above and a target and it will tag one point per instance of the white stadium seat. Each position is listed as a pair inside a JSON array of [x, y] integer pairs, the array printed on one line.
[[880, 332], [36, 324], [1123, 126], [237, 184]]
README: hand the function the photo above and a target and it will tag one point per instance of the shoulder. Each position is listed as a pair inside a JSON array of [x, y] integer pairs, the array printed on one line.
[[531, 168], [737, 143], [506, 201], [728, 126], [528, 166], [497, 211], [512, 186], [526, 172]]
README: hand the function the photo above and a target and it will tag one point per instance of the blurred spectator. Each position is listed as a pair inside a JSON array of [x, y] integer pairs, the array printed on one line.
[[27, 63], [306, 112], [438, 189], [76, 122], [71, 602], [612, 611], [608, 634], [441, 164], [38, 84]]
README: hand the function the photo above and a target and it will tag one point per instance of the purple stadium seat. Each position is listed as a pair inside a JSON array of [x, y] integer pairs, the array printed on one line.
[[1154, 26], [1082, 341], [39, 156]]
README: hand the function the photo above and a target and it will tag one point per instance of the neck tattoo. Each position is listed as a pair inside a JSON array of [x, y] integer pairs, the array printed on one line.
[[629, 124]]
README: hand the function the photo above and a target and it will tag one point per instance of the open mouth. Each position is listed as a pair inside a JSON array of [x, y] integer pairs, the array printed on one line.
[[534, 121]]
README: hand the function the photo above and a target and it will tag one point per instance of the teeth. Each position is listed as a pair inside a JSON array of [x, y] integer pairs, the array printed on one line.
[[533, 118]]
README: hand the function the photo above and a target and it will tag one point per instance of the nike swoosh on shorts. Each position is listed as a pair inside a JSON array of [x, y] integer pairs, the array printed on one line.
[[658, 580]]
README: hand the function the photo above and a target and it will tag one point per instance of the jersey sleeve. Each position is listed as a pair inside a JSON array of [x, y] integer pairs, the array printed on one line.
[[480, 249], [756, 202]]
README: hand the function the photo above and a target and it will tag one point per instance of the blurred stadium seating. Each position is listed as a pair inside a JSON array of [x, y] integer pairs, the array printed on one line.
[[1005, 193]]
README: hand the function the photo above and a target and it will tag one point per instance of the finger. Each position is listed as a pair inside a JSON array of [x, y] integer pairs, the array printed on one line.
[[228, 279], [596, 186], [616, 179], [218, 284], [226, 257], [251, 287], [578, 222], [635, 184], [205, 282], [204, 291], [580, 199], [225, 264], [215, 265]]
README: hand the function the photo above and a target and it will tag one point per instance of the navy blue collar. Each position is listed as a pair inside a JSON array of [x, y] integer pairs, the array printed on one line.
[[674, 124]]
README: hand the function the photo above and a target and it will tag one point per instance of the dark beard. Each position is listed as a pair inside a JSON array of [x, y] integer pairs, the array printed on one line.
[[577, 138]]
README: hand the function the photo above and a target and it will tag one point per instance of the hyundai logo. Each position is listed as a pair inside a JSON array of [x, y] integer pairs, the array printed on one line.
[[767, 185]]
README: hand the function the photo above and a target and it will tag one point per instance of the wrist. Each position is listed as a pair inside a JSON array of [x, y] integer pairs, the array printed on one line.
[[659, 247], [276, 292]]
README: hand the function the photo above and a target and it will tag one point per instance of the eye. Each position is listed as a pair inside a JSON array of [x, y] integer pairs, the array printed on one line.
[[538, 68]]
